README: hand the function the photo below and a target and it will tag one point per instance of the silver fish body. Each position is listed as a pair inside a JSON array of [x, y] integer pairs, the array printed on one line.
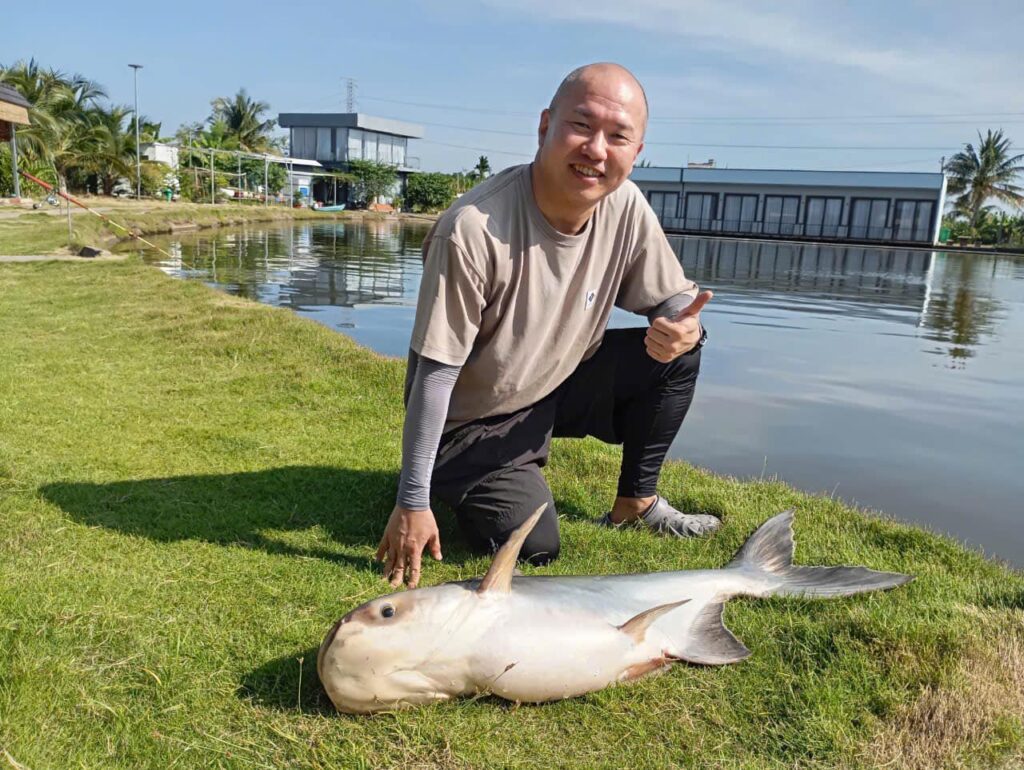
[[543, 638]]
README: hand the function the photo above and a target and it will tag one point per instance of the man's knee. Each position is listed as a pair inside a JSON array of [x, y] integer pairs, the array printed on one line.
[[492, 510], [543, 543]]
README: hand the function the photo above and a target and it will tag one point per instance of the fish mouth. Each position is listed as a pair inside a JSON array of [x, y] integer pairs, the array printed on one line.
[[328, 641]]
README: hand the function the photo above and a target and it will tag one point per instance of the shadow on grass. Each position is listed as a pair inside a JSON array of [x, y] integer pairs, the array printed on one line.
[[352, 506], [279, 685]]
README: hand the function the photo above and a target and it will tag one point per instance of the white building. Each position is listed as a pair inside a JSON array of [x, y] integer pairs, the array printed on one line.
[[860, 206], [160, 152]]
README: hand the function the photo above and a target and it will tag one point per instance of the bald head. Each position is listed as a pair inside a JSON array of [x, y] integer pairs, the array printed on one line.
[[629, 88]]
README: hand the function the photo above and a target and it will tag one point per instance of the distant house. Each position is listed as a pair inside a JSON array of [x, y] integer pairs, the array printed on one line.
[[861, 206], [335, 138], [161, 152]]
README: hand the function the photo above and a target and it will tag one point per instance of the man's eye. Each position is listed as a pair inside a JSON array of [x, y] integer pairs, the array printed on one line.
[[387, 611]]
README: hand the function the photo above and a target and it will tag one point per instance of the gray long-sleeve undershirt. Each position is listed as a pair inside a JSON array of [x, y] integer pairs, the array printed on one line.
[[428, 391]]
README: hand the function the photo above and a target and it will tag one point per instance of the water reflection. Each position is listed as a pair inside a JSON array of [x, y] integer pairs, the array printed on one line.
[[893, 378]]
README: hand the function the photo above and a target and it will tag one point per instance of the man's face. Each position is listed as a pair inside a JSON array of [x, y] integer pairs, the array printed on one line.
[[590, 139]]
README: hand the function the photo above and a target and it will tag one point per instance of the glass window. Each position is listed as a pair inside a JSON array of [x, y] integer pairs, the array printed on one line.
[[341, 142], [355, 144], [303, 143], [398, 152], [868, 217], [369, 145], [700, 210], [386, 152], [781, 213], [323, 144], [823, 216], [665, 205], [739, 214], [912, 221]]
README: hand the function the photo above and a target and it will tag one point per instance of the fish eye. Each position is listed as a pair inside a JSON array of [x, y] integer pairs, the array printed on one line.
[[387, 611]]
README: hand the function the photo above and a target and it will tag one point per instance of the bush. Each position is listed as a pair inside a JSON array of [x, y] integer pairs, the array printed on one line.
[[372, 180], [430, 192]]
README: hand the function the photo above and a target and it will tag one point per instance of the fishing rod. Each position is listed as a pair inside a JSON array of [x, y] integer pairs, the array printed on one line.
[[70, 198]]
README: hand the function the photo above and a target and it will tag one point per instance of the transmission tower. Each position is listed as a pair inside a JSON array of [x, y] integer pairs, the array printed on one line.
[[350, 95]]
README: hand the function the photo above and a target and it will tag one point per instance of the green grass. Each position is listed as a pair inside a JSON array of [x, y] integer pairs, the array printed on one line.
[[191, 491], [41, 233]]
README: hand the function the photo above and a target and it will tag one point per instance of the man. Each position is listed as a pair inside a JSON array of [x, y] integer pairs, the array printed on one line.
[[509, 345]]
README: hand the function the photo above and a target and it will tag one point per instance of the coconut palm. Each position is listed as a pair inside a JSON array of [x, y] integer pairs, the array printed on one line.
[[988, 172], [243, 118], [482, 167], [113, 151], [61, 135]]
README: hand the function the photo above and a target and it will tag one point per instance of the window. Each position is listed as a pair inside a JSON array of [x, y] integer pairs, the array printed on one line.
[[303, 143], [700, 210], [369, 145], [823, 217], [398, 152], [665, 205], [385, 153], [323, 144], [868, 217], [355, 144], [781, 213], [912, 221], [739, 213]]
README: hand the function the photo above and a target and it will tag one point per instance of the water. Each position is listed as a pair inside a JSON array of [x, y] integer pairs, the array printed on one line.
[[890, 378]]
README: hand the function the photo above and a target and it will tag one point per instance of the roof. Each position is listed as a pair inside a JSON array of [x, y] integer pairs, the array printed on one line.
[[807, 178], [349, 120], [13, 106]]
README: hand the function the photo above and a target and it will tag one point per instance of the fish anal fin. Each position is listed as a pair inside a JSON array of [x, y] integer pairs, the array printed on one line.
[[652, 666], [710, 642], [637, 625], [499, 574]]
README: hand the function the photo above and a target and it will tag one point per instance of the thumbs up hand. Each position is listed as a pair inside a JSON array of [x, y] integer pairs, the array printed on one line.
[[669, 338]]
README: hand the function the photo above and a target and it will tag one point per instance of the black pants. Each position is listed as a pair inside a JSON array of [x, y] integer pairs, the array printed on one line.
[[488, 470]]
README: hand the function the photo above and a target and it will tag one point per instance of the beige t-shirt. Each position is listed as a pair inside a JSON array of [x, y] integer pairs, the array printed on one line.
[[517, 304]]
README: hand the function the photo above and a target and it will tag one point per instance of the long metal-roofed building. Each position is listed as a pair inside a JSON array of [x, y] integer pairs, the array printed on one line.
[[335, 138], [856, 206]]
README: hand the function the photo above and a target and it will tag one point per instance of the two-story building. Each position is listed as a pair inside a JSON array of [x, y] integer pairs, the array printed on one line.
[[860, 206], [335, 138]]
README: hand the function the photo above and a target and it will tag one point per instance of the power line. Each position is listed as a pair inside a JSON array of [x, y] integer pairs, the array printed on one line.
[[715, 145], [723, 118]]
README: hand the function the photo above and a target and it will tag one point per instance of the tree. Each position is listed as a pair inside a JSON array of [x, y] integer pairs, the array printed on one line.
[[242, 119], [372, 179], [988, 172], [482, 167], [430, 192]]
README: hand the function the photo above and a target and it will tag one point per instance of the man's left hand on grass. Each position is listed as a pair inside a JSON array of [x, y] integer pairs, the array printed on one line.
[[669, 338]]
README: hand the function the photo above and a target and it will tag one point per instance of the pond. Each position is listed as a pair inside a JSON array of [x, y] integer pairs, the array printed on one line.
[[891, 378]]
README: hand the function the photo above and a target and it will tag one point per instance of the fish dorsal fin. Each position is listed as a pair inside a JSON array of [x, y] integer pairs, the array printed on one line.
[[637, 625], [710, 642], [499, 575]]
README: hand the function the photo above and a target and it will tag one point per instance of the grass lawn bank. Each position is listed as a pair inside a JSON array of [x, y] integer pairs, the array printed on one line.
[[23, 231], [192, 487]]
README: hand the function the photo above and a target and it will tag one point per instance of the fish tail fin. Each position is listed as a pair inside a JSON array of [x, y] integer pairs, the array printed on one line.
[[768, 553]]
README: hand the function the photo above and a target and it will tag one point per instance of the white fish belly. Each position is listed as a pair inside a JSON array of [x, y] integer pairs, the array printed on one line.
[[542, 654]]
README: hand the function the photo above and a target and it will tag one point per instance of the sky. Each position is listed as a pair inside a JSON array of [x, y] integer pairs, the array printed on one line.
[[888, 85]]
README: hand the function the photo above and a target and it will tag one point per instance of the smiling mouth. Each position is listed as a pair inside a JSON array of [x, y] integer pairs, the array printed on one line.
[[586, 171]]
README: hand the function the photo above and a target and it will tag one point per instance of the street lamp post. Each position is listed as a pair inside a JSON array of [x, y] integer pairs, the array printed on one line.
[[138, 154]]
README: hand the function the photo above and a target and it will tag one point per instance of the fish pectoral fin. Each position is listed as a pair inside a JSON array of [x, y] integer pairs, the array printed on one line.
[[637, 625], [710, 642]]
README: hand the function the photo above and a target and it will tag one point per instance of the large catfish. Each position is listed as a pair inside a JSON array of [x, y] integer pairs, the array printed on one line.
[[539, 638]]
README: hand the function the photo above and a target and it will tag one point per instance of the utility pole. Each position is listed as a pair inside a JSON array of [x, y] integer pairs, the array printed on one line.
[[213, 176], [138, 154], [266, 185]]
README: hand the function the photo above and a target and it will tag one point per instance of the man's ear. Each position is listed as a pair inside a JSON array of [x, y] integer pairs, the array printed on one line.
[[542, 129]]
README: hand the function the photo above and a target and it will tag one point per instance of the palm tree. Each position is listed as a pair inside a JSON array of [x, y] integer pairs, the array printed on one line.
[[482, 167], [113, 153], [243, 119], [61, 135], [988, 172]]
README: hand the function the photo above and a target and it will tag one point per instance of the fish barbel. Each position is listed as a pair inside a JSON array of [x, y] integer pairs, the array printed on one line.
[[543, 638]]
